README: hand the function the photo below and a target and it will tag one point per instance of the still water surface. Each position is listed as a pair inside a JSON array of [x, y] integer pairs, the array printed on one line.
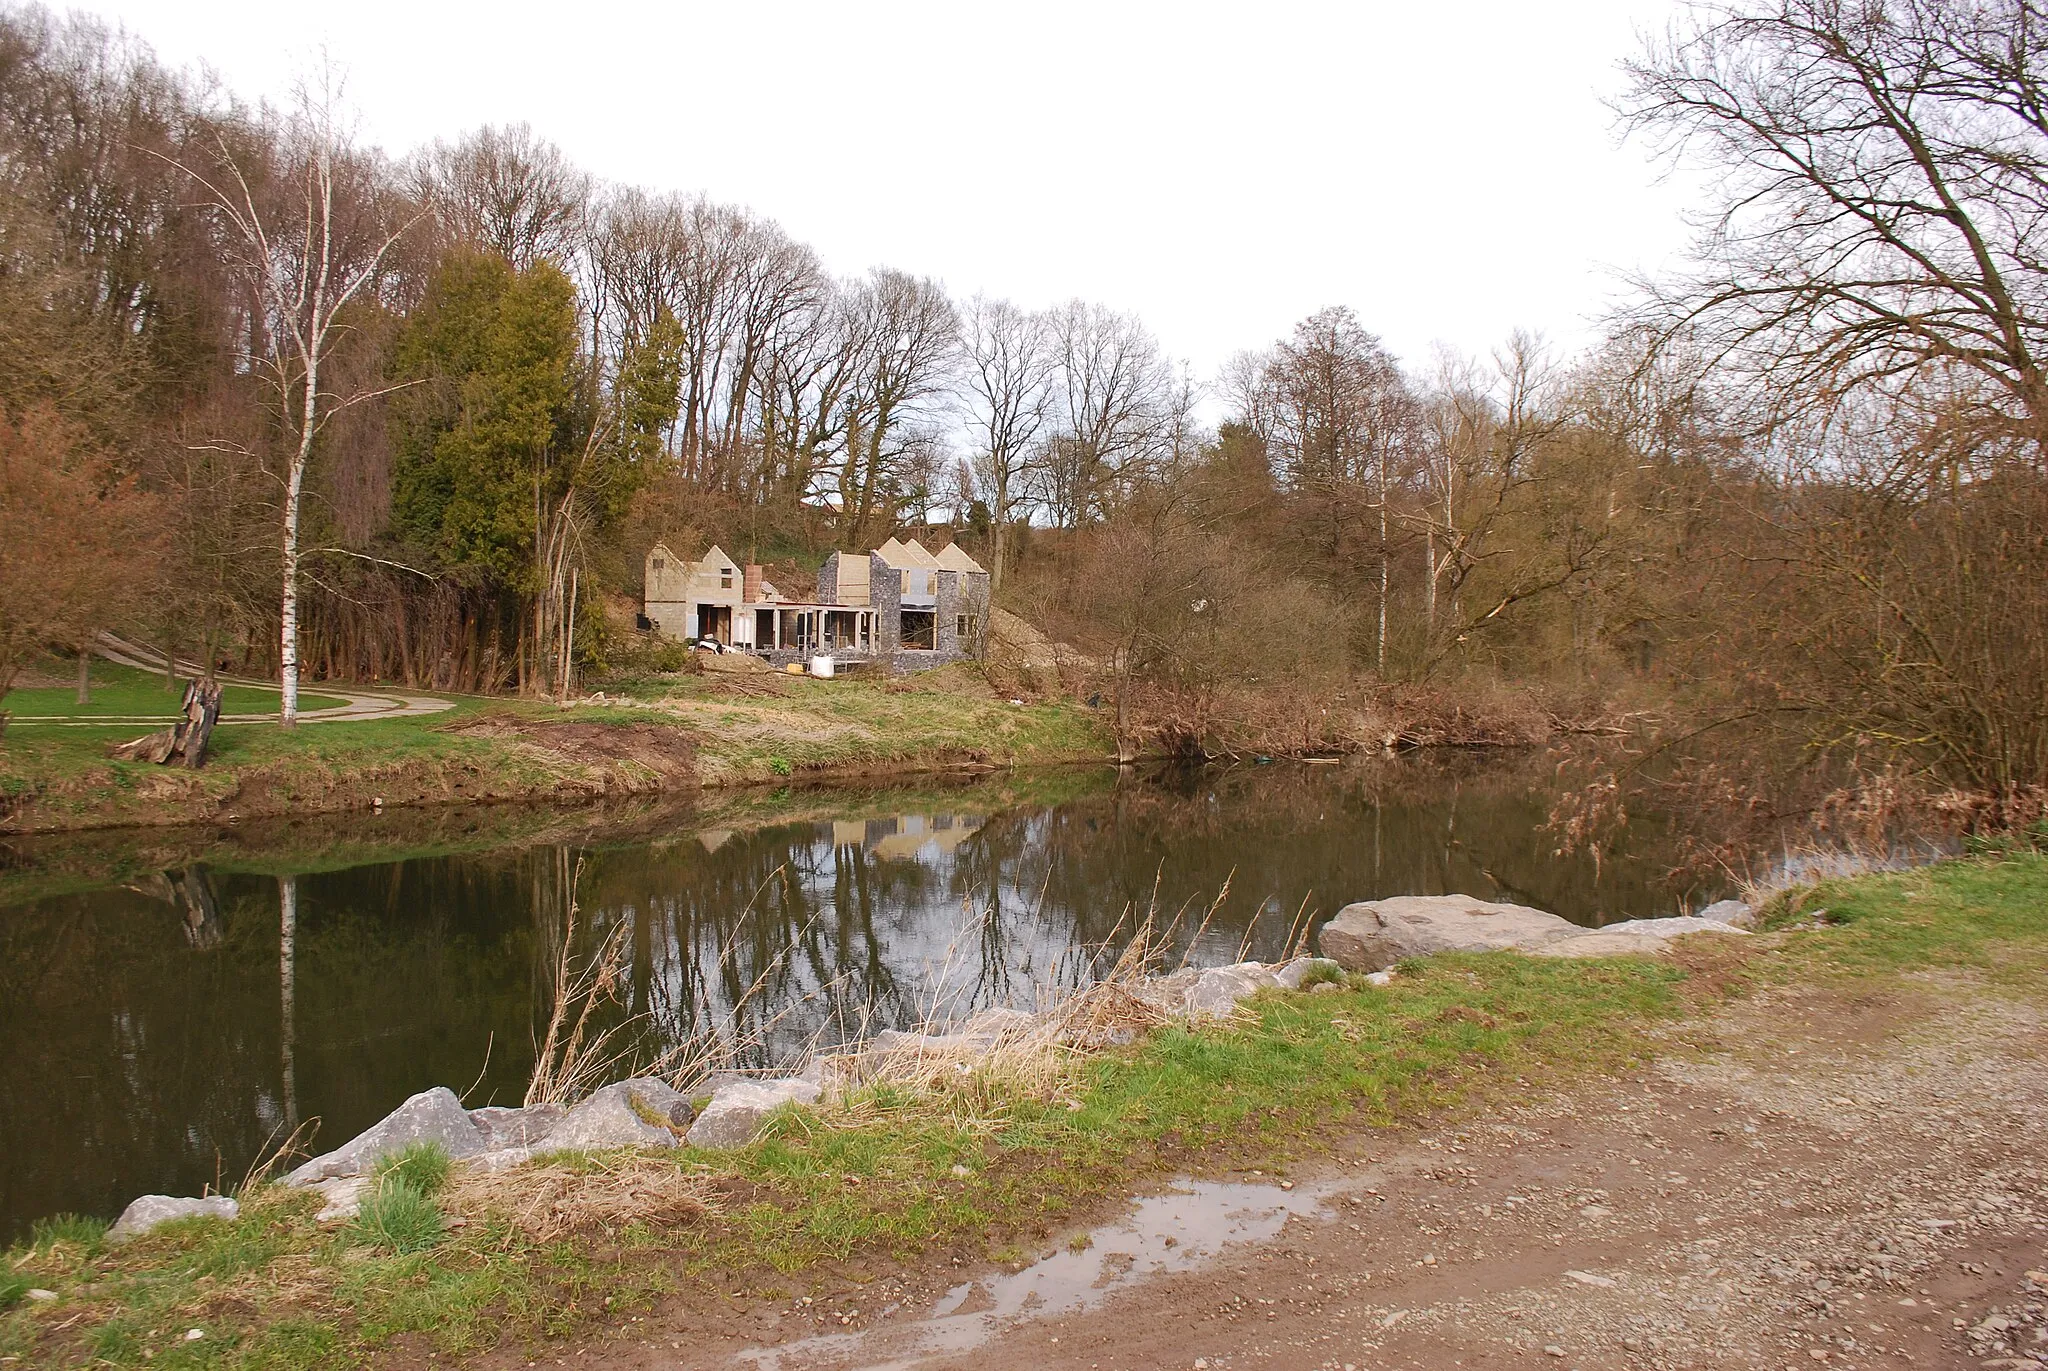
[[159, 1033]]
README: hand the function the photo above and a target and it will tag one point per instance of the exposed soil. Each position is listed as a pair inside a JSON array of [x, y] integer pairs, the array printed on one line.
[[620, 758], [1843, 1180]]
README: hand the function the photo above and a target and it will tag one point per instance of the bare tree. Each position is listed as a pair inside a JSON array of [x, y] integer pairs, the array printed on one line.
[[505, 190], [1873, 287], [1113, 404], [1009, 371], [1882, 169], [306, 256], [1481, 438], [80, 540], [1340, 420], [900, 333]]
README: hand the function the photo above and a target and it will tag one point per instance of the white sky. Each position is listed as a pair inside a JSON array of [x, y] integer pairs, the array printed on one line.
[[1447, 170]]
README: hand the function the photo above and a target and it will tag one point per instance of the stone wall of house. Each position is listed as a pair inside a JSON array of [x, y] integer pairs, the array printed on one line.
[[974, 600], [947, 640], [828, 581], [885, 593]]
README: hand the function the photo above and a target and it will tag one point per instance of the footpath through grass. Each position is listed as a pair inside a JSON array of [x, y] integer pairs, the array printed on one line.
[[981, 1171], [127, 692]]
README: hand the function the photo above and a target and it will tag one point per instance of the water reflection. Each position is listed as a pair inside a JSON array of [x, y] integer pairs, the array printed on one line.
[[159, 1034]]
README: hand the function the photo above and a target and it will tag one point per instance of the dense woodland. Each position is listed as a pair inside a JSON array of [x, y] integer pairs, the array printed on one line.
[[420, 416]]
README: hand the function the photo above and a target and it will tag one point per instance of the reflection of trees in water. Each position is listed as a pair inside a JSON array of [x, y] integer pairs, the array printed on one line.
[[807, 933], [813, 932]]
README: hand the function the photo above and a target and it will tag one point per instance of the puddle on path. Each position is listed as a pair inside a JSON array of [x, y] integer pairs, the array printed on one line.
[[1176, 1231]]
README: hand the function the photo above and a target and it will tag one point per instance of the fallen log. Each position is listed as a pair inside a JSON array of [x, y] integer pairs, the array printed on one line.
[[184, 742]]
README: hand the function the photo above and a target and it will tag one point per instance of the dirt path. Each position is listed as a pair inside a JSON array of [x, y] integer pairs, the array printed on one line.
[[355, 703], [1844, 1181]]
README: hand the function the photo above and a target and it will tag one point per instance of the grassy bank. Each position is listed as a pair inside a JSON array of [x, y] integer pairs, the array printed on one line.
[[668, 737], [978, 1173], [761, 726]]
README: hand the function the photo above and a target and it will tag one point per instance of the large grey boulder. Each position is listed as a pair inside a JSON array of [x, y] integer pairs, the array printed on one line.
[[1734, 913], [1634, 938], [893, 1042], [1375, 934], [505, 1127], [1676, 927], [739, 1108], [431, 1116], [1217, 991], [642, 1112], [149, 1211]]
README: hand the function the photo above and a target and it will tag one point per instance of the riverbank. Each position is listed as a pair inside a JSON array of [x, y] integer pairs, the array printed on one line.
[[937, 1187], [674, 735], [671, 738]]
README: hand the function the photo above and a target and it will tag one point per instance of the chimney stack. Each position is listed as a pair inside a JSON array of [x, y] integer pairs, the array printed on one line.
[[750, 584]]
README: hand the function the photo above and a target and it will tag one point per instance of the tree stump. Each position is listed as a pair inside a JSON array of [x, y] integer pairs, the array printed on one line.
[[183, 743]]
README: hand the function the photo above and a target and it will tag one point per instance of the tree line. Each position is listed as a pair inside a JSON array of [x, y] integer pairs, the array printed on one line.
[[447, 399]]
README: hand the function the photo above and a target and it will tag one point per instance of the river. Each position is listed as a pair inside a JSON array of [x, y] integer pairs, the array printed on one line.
[[165, 1021]]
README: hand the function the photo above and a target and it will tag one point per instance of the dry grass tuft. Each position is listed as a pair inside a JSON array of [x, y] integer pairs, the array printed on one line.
[[548, 1200]]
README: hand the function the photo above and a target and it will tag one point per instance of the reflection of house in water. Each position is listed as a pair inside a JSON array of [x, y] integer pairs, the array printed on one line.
[[899, 604], [918, 835], [907, 837]]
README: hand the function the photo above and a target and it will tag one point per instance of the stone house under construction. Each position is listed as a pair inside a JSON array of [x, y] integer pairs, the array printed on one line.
[[899, 604]]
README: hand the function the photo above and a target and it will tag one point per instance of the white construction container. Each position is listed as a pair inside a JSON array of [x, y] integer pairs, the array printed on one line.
[[821, 667]]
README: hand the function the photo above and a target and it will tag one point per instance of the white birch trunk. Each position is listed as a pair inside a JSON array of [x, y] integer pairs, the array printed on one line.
[[287, 992]]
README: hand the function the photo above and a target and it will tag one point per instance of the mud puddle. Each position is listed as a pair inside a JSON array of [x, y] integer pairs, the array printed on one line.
[[1190, 1224]]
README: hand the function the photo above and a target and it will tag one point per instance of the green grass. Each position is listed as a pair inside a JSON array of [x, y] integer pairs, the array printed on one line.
[[1988, 915], [425, 1166], [932, 719], [60, 777], [399, 1215], [78, 1230], [125, 691]]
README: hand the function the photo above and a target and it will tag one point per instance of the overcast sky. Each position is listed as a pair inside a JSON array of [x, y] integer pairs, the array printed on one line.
[[1447, 170]]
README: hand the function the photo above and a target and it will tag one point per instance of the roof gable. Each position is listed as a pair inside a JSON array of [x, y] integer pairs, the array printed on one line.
[[952, 557], [907, 555]]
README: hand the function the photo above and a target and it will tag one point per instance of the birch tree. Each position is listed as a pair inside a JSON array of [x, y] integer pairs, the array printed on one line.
[[309, 240]]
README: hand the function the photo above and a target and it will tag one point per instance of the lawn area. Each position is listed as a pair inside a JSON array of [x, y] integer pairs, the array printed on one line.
[[60, 777], [666, 734], [128, 692], [988, 1167], [760, 727]]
